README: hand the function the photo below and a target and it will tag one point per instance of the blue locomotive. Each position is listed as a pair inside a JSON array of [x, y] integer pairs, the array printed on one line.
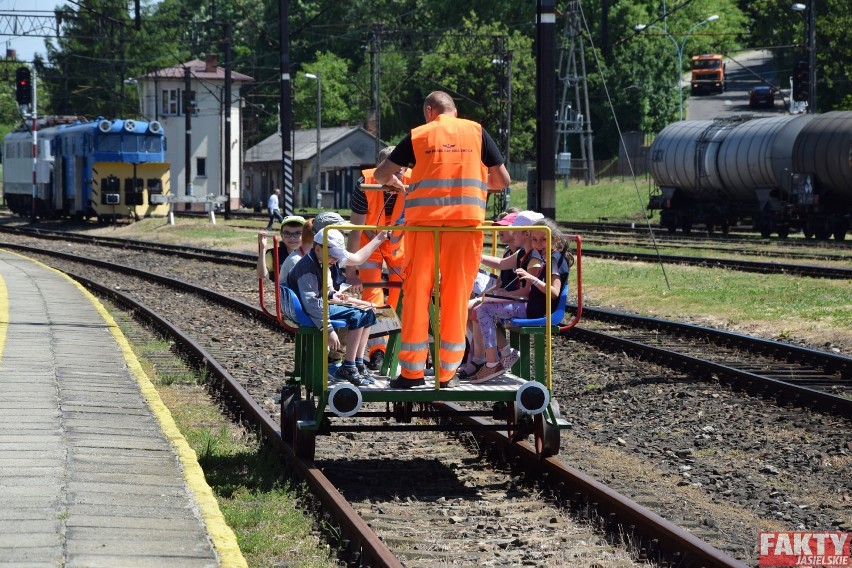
[[102, 169]]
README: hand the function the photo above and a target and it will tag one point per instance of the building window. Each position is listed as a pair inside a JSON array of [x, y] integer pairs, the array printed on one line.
[[170, 102], [173, 103], [201, 167]]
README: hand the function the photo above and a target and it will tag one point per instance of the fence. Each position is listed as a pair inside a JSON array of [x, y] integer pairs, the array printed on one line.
[[603, 169]]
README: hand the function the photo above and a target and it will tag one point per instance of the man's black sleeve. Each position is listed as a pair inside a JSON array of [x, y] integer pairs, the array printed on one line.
[[491, 155], [403, 154]]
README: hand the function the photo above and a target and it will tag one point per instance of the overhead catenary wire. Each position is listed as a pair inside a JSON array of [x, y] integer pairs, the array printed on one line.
[[621, 141]]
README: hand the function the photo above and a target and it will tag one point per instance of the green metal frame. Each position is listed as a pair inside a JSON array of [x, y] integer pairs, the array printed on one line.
[[311, 364]]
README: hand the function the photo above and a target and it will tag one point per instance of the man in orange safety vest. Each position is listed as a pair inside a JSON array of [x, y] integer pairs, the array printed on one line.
[[453, 163], [380, 208]]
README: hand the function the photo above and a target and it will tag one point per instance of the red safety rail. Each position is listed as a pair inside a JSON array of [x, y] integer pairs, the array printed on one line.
[[578, 263], [260, 282]]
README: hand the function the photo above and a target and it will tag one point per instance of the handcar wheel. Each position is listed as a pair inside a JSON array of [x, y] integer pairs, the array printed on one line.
[[519, 425], [402, 412], [304, 441], [290, 394], [546, 434]]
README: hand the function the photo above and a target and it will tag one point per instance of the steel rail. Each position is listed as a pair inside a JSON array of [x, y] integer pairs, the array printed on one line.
[[810, 270], [833, 361], [364, 543], [675, 542]]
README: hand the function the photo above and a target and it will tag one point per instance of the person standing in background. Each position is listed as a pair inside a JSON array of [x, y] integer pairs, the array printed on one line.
[[376, 208], [274, 208]]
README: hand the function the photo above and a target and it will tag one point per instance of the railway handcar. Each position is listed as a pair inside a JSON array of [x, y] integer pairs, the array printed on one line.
[[782, 174], [519, 402], [103, 169]]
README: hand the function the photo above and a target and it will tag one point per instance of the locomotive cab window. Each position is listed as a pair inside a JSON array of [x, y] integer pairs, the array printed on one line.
[[150, 144], [111, 184], [133, 188], [109, 143], [130, 144]]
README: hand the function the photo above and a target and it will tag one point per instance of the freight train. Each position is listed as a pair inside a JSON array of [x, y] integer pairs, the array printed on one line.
[[783, 174], [102, 169]]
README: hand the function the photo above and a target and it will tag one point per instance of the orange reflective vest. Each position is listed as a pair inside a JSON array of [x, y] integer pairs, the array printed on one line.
[[449, 182], [392, 249]]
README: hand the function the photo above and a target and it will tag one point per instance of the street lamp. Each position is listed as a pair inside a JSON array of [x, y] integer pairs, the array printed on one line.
[[319, 128], [679, 48], [811, 47]]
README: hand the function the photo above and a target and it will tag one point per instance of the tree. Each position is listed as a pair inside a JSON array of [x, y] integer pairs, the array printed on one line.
[[468, 71], [338, 101], [100, 50]]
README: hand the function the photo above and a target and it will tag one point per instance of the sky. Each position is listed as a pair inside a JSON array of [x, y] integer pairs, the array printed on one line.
[[26, 47]]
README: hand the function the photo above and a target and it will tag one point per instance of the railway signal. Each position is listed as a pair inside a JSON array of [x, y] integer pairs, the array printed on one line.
[[23, 86], [801, 80]]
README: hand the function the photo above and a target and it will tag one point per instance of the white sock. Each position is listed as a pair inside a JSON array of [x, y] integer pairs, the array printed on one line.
[[492, 365]]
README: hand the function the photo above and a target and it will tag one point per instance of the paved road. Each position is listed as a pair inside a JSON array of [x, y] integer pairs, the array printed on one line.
[[745, 71]]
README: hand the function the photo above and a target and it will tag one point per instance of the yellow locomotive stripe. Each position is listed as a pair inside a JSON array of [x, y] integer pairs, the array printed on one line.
[[221, 535]]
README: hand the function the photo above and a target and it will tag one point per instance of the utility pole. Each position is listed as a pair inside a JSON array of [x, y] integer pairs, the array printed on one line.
[[375, 85], [545, 201], [285, 105], [812, 103], [227, 104], [31, 93], [187, 138]]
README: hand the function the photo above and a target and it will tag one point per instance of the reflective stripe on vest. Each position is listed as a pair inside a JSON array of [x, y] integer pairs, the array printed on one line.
[[392, 249]]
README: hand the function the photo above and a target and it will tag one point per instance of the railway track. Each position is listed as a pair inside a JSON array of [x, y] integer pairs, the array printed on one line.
[[259, 379], [789, 373], [836, 270], [538, 532]]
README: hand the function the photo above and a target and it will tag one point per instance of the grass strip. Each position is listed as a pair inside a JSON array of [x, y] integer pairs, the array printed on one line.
[[258, 504]]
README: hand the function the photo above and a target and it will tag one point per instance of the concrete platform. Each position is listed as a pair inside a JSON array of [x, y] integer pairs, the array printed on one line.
[[93, 471]]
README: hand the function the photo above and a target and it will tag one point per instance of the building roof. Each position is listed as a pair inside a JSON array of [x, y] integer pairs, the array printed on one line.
[[305, 146], [200, 70]]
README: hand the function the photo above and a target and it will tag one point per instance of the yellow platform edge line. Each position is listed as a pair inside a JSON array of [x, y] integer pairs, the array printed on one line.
[[222, 536]]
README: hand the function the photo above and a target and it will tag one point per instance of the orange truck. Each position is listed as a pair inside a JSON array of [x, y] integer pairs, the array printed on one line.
[[708, 74]]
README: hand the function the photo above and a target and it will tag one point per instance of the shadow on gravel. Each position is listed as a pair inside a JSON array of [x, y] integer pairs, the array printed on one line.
[[424, 479]]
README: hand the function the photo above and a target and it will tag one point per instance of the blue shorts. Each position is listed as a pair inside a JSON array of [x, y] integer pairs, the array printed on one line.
[[355, 318]]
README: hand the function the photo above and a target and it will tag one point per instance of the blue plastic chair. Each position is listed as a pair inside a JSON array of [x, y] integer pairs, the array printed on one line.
[[522, 329], [302, 318], [309, 349], [556, 316]]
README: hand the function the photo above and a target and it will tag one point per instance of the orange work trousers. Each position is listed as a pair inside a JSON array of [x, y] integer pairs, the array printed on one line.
[[377, 296], [460, 256]]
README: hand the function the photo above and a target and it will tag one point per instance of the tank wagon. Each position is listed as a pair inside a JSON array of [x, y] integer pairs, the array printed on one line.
[[782, 174], [103, 169]]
